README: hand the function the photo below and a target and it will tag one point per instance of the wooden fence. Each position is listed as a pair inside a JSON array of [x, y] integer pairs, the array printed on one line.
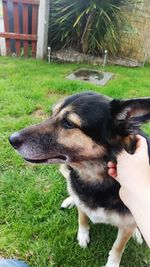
[[25, 38]]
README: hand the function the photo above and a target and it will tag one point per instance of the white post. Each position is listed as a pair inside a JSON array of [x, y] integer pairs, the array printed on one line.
[[42, 35], [2, 40]]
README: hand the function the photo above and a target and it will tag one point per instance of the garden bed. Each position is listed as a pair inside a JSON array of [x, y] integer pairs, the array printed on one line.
[[73, 56]]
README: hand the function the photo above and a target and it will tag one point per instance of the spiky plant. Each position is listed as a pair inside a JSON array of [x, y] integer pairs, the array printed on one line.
[[89, 26]]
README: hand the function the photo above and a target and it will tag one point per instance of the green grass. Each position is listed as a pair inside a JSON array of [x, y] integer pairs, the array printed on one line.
[[32, 225]]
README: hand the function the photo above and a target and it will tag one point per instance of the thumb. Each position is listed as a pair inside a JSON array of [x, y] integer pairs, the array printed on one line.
[[141, 146], [123, 155]]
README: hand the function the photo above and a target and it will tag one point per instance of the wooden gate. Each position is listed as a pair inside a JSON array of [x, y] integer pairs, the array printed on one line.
[[24, 35]]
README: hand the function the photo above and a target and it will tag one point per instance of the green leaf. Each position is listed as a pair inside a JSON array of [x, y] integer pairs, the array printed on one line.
[[78, 18]]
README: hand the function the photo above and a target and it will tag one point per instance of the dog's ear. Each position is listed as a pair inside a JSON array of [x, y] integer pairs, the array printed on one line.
[[128, 115]]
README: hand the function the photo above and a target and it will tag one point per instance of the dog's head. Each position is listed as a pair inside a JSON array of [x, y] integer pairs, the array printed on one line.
[[82, 127]]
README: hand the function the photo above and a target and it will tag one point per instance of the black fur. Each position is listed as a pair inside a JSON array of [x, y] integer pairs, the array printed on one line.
[[99, 194]]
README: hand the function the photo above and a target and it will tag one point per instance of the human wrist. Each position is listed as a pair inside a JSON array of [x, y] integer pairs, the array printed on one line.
[[139, 208], [135, 198]]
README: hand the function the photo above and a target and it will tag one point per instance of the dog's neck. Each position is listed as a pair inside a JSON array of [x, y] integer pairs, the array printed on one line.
[[91, 171]]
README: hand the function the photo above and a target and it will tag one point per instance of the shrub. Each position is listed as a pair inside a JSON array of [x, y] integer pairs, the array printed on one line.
[[89, 26]]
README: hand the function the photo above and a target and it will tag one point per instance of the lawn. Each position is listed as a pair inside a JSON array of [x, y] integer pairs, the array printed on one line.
[[32, 225]]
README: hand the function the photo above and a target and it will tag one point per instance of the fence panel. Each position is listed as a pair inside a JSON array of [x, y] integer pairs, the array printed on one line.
[[25, 28], [16, 27], [25, 21], [34, 27]]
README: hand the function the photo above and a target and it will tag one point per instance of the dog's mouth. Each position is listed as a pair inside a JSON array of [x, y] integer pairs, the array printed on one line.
[[56, 159]]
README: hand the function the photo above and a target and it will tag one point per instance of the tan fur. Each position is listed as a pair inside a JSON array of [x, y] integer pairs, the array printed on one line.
[[127, 141], [83, 219], [117, 250], [73, 117], [83, 230], [123, 239], [70, 138], [64, 111], [90, 171], [73, 138], [85, 148]]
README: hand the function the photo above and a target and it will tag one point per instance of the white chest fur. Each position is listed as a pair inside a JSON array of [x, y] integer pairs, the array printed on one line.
[[98, 215], [101, 215]]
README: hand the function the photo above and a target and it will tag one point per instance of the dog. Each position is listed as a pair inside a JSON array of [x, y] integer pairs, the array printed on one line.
[[85, 131]]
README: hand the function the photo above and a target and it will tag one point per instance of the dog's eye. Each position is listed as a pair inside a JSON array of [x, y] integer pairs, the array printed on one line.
[[67, 124]]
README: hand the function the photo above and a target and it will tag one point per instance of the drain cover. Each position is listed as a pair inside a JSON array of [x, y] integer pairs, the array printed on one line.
[[92, 76]]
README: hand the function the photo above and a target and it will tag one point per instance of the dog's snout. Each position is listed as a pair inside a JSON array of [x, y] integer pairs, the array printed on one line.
[[16, 140]]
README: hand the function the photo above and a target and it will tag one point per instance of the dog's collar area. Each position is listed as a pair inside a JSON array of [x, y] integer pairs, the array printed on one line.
[[56, 159]]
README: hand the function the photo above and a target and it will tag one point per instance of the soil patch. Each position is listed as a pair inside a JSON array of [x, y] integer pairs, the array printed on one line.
[[39, 114], [71, 55]]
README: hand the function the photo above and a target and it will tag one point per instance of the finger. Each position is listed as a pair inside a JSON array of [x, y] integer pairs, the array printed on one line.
[[141, 144], [112, 172], [111, 164]]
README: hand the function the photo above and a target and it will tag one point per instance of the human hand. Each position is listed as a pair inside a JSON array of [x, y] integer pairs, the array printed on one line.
[[132, 171], [133, 174]]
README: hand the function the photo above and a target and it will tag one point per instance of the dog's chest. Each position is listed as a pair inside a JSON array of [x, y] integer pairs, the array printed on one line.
[[101, 215], [97, 193], [104, 209], [98, 198], [98, 215]]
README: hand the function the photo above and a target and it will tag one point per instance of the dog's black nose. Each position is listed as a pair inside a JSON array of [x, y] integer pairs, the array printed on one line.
[[16, 140]]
